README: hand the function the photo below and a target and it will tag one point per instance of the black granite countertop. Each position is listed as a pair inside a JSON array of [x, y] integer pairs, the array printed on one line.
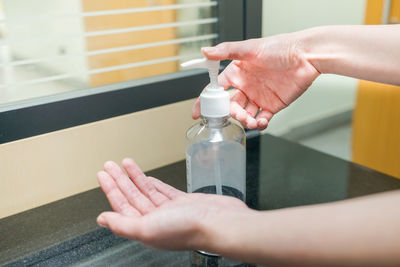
[[279, 174]]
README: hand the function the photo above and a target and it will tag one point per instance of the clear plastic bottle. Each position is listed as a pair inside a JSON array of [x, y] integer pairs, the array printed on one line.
[[216, 158], [216, 152]]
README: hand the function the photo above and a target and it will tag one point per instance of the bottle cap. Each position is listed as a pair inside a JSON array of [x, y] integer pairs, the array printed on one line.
[[214, 100]]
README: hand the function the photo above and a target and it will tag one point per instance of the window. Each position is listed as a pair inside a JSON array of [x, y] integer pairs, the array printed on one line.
[[70, 62]]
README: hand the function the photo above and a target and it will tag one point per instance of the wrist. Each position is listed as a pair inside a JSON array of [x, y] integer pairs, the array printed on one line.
[[228, 236], [319, 48]]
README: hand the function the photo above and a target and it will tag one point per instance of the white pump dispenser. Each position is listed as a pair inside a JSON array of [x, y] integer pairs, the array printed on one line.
[[214, 100]]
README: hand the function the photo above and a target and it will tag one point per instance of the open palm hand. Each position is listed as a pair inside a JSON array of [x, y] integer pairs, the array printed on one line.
[[161, 216]]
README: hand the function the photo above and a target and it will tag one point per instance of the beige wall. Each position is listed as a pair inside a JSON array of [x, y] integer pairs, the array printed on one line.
[[44, 168]]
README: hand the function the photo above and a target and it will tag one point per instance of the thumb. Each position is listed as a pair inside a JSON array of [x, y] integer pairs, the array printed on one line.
[[120, 225], [242, 50], [196, 109]]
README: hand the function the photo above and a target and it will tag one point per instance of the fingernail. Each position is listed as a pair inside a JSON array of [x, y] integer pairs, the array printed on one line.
[[262, 123], [101, 221], [252, 124], [108, 165], [208, 50]]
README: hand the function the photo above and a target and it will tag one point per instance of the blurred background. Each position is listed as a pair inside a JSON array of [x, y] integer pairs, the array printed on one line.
[[51, 47], [350, 119]]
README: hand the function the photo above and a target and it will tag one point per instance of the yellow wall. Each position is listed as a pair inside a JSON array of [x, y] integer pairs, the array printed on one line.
[[376, 127], [394, 16], [45, 168], [373, 12], [121, 21]]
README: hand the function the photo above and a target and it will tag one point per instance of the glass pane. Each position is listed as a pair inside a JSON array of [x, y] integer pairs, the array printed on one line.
[[53, 46]]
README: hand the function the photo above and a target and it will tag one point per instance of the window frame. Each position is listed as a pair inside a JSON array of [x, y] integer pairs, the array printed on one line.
[[238, 20]]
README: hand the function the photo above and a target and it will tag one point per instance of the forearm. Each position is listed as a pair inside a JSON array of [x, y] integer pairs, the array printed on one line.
[[359, 51], [363, 231]]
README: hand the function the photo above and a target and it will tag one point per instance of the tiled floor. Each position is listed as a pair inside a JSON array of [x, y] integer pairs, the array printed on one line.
[[335, 141]]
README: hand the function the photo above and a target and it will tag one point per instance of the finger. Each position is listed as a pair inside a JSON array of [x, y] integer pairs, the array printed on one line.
[[129, 189], [229, 76], [167, 190], [252, 109], [238, 113], [117, 200], [223, 80], [121, 225], [239, 98], [263, 118], [242, 50], [196, 109], [265, 114], [262, 124], [251, 123], [144, 184]]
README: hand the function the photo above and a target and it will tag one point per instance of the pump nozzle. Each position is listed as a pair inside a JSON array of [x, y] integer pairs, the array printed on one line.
[[214, 100], [203, 63]]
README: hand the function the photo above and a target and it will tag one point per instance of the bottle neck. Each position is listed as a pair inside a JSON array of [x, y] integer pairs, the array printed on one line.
[[216, 122]]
